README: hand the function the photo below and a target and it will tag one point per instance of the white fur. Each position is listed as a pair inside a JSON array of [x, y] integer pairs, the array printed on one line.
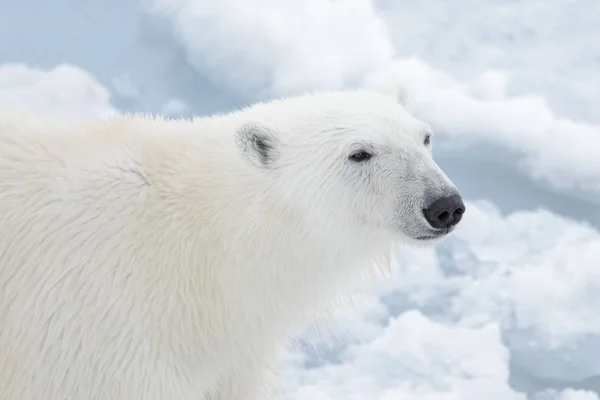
[[150, 259]]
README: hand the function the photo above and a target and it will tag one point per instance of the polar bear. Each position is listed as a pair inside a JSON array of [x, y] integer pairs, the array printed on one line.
[[143, 258]]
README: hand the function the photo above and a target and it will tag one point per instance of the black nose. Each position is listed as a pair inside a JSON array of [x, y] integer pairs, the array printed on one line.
[[445, 212]]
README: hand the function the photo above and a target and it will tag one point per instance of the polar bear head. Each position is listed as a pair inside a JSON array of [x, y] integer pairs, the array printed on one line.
[[353, 163]]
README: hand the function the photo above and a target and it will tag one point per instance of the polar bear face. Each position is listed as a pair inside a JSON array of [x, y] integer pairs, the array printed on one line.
[[354, 162]]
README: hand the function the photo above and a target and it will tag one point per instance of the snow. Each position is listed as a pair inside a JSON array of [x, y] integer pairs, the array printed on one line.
[[505, 308], [414, 358], [64, 91], [524, 284], [547, 48]]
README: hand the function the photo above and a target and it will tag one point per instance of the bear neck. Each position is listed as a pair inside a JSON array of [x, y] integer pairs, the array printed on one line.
[[296, 267]]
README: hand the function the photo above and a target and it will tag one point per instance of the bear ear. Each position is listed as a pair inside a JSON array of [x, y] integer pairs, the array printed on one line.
[[403, 96], [258, 143], [397, 89], [400, 92]]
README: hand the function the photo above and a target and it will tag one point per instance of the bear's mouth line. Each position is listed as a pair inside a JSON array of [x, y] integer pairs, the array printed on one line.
[[429, 237], [436, 235]]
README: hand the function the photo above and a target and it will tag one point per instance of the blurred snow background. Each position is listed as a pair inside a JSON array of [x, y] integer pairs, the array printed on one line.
[[506, 308]]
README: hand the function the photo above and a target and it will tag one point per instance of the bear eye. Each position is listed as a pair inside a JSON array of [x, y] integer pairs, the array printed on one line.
[[360, 156], [427, 140]]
